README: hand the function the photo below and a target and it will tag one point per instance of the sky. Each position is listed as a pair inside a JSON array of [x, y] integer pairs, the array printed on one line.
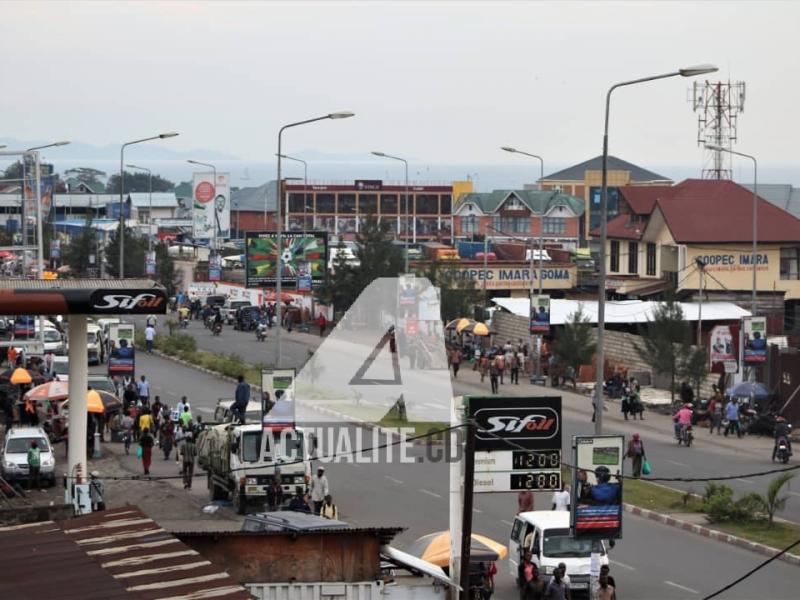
[[440, 83]]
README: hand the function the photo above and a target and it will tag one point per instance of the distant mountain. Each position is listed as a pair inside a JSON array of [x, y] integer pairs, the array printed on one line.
[[77, 151]]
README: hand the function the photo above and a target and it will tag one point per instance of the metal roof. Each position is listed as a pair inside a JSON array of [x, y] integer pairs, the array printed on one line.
[[540, 202], [136, 558], [77, 284], [578, 172]]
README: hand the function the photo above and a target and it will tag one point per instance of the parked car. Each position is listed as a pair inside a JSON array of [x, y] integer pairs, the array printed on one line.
[[54, 342], [15, 454], [94, 344], [230, 307]]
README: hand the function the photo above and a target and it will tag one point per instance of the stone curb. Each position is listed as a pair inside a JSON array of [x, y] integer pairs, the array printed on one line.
[[713, 534], [321, 409]]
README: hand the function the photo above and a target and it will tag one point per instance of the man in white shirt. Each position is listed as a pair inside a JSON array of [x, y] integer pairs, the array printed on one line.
[[144, 391], [319, 489], [149, 336], [561, 498]]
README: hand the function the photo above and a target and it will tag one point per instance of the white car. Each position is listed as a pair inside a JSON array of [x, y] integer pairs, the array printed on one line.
[[54, 341], [15, 454], [94, 344]]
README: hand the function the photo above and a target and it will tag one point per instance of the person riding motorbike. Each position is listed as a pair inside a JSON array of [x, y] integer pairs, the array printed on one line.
[[261, 330], [682, 420], [782, 430], [183, 316]]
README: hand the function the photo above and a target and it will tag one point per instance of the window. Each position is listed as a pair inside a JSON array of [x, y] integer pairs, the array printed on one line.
[[368, 204], [469, 224], [790, 263], [326, 203], [296, 202], [347, 204], [614, 256], [651, 259], [511, 224], [554, 225], [446, 204], [633, 258], [388, 204], [427, 204]]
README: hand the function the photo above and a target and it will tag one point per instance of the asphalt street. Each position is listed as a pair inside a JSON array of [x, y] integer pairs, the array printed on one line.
[[709, 456], [651, 561]]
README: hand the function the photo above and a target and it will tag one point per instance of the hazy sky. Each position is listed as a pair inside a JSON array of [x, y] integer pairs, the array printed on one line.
[[442, 82]]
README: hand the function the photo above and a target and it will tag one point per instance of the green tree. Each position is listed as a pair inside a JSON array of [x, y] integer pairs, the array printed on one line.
[[76, 254], [694, 365], [772, 501], [340, 288], [666, 342], [13, 171], [573, 345], [138, 182], [87, 175], [165, 269], [135, 248], [457, 295]]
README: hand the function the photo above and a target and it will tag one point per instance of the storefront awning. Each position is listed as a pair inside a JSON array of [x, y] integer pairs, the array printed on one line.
[[82, 297]]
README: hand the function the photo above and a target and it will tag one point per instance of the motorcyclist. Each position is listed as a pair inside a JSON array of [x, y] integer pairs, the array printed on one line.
[[682, 419], [782, 430], [261, 329]]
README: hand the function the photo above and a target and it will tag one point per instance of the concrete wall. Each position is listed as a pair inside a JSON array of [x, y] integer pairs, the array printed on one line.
[[620, 348], [35, 514]]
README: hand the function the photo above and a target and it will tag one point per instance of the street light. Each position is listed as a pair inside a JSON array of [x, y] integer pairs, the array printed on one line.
[[150, 217], [305, 189], [541, 247], [160, 136], [755, 213], [405, 164], [601, 280], [342, 114]]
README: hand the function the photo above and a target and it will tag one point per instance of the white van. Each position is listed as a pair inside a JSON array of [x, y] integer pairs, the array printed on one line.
[[15, 454], [551, 544], [94, 344]]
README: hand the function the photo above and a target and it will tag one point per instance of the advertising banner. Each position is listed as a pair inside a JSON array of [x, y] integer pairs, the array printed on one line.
[[540, 314], [722, 348], [150, 263], [214, 267], [304, 280], [55, 249], [121, 355], [211, 206], [754, 331], [261, 257], [278, 407], [48, 181], [596, 507]]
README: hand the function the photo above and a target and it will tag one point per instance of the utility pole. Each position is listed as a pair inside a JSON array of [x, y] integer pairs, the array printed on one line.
[[466, 524], [701, 270]]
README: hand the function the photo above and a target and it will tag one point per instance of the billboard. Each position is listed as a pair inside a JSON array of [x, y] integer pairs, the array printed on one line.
[[304, 280], [211, 206], [122, 355], [214, 267], [540, 314], [279, 384], [300, 251], [596, 504], [754, 332], [150, 262], [722, 349]]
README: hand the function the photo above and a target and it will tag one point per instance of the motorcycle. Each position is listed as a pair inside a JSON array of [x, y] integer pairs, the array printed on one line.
[[261, 332], [782, 454], [684, 435], [216, 329], [184, 323]]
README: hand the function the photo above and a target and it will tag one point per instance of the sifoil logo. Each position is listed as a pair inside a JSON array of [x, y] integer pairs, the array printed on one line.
[[145, 301], [530, 424], [518, 425]]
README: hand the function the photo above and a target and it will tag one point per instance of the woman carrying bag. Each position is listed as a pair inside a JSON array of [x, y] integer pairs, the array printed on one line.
[[637, 455]]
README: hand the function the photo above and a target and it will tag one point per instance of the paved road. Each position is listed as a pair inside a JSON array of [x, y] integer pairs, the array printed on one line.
[[652, 561]]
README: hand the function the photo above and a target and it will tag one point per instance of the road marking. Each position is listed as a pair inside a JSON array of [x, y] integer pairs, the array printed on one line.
[[504, 522], [430, 493], [675, 462], [433, 406], [616, 563], [203, 409], [750, 481], [682, 587], [393, 480], [794, 494], [477, 510]]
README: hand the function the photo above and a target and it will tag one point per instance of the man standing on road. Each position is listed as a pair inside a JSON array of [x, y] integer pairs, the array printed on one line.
[[144, 391], [319, 489], [322, 322], [556, 589], [242, 397], [149, 337], [732, 414], [525, 501], [189, 452], [636, 454], [561, 498], [34, 465]]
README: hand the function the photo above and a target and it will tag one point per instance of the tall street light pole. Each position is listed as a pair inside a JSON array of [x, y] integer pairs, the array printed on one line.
[[755, 215], [214, 201], [305, 189], [150, 214], [601, 280], [342, 114], [160, 136], [405, 163]]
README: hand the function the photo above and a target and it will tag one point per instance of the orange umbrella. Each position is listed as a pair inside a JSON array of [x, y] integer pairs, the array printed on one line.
[[98, 401], [52, 390], [20, 377], [435, 548]]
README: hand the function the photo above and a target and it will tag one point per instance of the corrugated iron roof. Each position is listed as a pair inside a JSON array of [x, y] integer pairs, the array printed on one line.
[[123, 551], [77, 284]]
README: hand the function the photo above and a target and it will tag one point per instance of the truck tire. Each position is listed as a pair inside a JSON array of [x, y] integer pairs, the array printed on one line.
[[214, 491], [239, 502]]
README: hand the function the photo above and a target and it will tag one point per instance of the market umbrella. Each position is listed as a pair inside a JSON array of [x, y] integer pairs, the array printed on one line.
[[456, 323], [480, 329], [435, 548], [99, 401], [20, 376], [748, 389], [50, 391]]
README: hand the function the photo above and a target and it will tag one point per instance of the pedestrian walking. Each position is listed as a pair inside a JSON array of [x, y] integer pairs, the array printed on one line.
[[34, 465], [525, 501], [530, 586], [241, 398], [556, 589], [146, 443], [732, 415], [144, 391], [126, 424], [483, 366], [494, 375], [149, 338], [167, 438], [319, 488], [500, 362], [188, 452], [329, 510], [637, 454], [606, 591], [455, 361], [322, 323], [716, 409], [145, 420], [180, 436], [186, 418], [561, 498], [514, 366], [96, 492], [275, 495]]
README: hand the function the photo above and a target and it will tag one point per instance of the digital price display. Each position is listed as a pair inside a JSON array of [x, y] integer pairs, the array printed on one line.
[[549, 459], [542, 481]]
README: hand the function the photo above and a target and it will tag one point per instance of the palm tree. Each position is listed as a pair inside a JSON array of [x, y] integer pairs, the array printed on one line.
[[773, 503]]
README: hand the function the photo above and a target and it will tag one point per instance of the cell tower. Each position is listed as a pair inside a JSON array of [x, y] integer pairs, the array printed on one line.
[[717, 106]]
